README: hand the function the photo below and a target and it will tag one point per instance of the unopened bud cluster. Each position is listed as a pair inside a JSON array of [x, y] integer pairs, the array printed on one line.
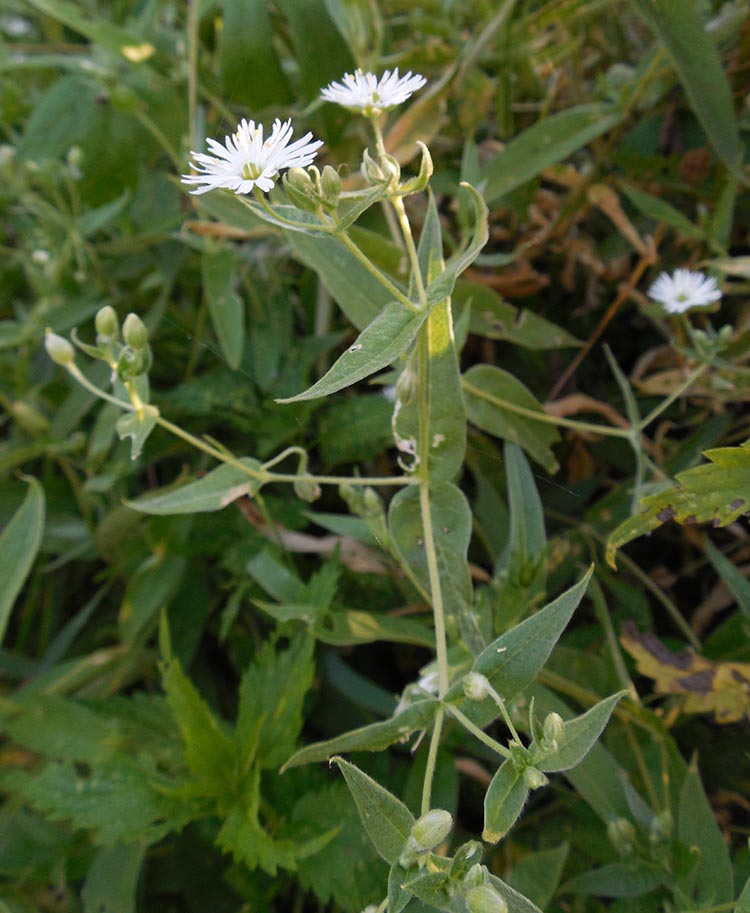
[[479, 893], [308, 189]]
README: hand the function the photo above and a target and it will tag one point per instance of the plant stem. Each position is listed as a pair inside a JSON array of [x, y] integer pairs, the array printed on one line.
[[477, 732], [429, 773], [375, 272], [675, 394]]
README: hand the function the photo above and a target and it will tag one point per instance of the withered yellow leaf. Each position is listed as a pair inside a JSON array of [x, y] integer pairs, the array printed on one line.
[[708, 686]]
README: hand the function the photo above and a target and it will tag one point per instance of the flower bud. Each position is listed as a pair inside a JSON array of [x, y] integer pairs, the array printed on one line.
[[133, 362], [485, 899], [301, 190], [661, 827], [465, 859], [621, 834], [476, 686], [330, 185], [406, 385], [431, 829], [553, 731], [534, 778], [107, 325], [59, 349], [306, 489], [477, 875], [372, 501], [371, 171], [390, 168], [134, 332]]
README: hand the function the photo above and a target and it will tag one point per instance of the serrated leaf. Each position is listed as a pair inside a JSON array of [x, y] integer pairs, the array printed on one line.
[[19, 544], [376, 347], [137, 426], [386, 819], [715, 492], [491, 395], [513, 661], [375, 737], [451, 525], [442, 286], [214, 491], [503, 801], [271, 695], [225, 306], [580, 736], [210, 752], [681, 29], [545, 143]]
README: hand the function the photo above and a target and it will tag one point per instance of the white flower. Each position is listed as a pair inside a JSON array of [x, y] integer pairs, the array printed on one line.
[[365, 92], [246, 161], [683, 290]]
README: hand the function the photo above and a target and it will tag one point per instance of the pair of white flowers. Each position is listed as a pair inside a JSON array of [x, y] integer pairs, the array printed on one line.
[[247, 161]]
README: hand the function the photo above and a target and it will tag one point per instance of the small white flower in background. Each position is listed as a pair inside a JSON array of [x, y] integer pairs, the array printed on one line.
[[365, 92], [246, 160], [683, 290]]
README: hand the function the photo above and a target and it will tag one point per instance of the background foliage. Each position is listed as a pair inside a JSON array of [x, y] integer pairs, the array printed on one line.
[[159, 669]]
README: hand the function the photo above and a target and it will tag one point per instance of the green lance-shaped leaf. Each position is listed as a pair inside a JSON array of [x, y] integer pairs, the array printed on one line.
[[711, 881], [137, 426], [716, 492], [444, 439], [19, 544], [387, 337], [386, 819], [743, 901], [214, 491], [661, 211], [513, 661], [503, 801], [545, 143], [491, 394], [225, 306], [375, 737], [451, 527], [620, 879], [112, 881], [680, 28], [442, 286], [580, 736], [438, 891]]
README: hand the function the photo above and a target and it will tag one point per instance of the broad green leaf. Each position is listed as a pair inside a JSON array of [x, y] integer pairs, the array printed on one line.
[[214, 491], [250, 70], [19, 544], [716, 492], [711, 881], [500, 404], [95, 219], [444, 437], [537, 876], [225, 306], [112, 37], [451, 529], [210, 752], [112, 880], [496, 319], [271, 695], [398, 898], [150, 589], [137, 426], [358, 293], [503, 801], [442, 286], [375, 737], [661, 211], [521, 569], [580, 736], [387, 820], [380, 344], [620, 879], [680, 28], [545, 143], [513, 661]]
